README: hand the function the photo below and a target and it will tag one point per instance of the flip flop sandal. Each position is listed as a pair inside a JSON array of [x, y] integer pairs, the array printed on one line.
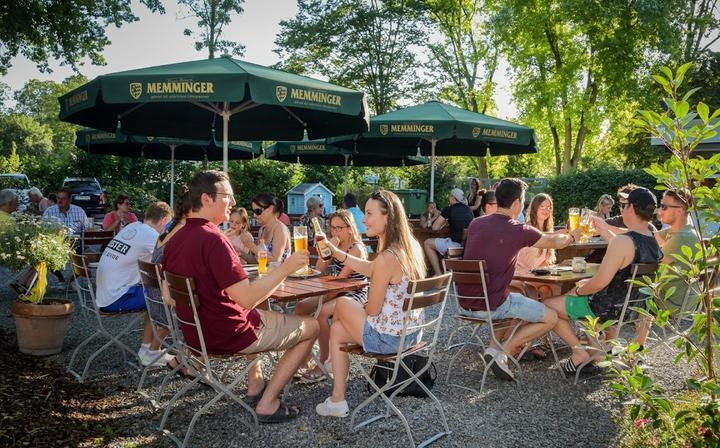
[[182, 372], [569, 368], [534, 354], [284, 413]]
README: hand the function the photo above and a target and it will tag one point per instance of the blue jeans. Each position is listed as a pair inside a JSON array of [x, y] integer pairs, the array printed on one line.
[[516, 306], [383, 343], [132, 300]]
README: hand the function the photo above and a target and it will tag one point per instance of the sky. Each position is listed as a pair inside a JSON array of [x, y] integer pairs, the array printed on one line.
[[158, 39]]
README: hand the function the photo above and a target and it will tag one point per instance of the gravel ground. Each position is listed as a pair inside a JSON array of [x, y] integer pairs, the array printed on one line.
[[543, 410]]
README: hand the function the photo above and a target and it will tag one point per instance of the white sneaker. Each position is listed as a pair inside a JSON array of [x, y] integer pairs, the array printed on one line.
[[500, 366], [156, 358], [329, 408]]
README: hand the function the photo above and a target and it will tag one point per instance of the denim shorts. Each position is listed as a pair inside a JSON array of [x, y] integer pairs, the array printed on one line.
[[383, 343], [443, 244], [132, 300], [516, 306]]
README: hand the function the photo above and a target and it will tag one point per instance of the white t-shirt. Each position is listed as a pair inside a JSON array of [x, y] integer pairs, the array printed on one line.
[[118, 268]]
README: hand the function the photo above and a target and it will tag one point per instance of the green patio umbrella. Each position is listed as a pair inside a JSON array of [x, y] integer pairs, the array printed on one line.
[[192, 99], [434, 128], [317, 152], [162, 148]]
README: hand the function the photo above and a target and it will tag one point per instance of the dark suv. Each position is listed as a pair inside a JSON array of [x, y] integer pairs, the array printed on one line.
[[87, 194]]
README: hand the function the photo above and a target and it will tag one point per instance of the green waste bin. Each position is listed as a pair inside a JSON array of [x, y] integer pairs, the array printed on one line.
[[413, 200]]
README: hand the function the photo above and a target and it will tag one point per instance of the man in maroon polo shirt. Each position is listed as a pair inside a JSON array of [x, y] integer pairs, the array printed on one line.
[[230, 321], [497, 239]]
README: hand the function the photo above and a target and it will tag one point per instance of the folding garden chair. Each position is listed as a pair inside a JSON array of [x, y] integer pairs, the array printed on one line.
[[205, 367], [423, 294], [472, 272], [86, 289], [150, 275], [633, 298]]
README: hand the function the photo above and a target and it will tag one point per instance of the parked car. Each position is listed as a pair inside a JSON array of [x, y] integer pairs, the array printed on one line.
[[21, 184], [87, 194]]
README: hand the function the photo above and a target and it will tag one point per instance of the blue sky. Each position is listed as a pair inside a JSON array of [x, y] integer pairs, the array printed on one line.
[[158, 39]]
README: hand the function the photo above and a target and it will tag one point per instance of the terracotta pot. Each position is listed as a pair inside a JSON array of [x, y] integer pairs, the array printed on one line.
[[41, 328]]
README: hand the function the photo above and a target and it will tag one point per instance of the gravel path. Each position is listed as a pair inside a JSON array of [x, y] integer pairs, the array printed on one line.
[[543, 410]]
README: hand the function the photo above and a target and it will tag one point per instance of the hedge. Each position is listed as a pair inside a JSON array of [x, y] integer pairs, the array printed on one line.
[[584, 188]]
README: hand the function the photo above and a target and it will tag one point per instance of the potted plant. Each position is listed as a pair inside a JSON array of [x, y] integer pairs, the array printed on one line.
[[33, 246]]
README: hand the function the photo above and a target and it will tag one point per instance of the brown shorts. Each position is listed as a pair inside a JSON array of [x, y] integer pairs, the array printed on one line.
[[277, 332]]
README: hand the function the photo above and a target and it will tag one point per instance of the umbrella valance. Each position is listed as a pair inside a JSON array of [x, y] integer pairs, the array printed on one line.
[[318, 152], [161, 148]]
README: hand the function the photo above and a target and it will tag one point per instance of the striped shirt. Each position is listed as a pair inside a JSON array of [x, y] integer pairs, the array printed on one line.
[[359, 294], [74, 219]]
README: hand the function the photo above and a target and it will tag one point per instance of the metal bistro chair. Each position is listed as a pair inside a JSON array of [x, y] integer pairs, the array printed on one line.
[[150, 275], [473, 272], [204, 366], [85, 286], [423, 294], [633, 298], [84, 299], [92, 238]]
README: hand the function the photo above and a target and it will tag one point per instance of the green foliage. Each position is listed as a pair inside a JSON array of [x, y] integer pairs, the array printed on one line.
[[357, 44], [67, 31], [32, 240], [213, 16], [691, 419], [584, 188], [11, 163], [29, 137]]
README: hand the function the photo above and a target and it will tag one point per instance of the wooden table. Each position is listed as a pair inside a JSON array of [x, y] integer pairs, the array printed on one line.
[[583, 249], [294, 289], [423, 233], [565, 280]]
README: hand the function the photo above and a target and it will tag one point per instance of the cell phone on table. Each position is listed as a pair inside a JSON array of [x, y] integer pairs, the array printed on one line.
[[540, 271]]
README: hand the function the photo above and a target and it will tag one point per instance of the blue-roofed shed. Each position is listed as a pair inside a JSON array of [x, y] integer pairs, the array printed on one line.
[[298, 196]]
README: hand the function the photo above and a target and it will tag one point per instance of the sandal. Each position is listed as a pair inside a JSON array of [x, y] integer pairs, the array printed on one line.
[[183, 372], [534, 354], [252, 400], [283, 414], [312, 376], [570, 368]]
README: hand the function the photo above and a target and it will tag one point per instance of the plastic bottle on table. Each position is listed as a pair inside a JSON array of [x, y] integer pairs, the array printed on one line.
[[262, 257]]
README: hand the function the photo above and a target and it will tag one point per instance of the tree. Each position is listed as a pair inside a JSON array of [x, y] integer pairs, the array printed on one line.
[[67, 31], [575, 62], [213, 16], [24, 135], [367, 45], [466, 57], [701, 25]]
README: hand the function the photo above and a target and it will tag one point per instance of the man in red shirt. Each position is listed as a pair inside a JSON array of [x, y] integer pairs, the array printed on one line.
[[497, 239], [230, 320]]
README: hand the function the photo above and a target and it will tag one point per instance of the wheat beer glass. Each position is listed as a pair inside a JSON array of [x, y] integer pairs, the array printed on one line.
[[586, 225], [573, 218], [300, 240]]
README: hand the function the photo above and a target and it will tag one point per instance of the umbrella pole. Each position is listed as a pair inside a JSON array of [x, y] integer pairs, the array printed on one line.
[[347, 156], [432, 170], [172, 176], [226, 124]]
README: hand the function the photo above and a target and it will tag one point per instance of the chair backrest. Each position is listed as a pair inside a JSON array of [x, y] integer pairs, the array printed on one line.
[[468, 272], [84, 282], [423, 294], [182, 292], [79, 266], [96, 238], [455, 253], [150, 276], [633, 297]]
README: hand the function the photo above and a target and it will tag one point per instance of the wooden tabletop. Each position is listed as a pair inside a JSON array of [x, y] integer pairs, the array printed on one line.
[[294, 289], [595, 243], [564, 277]]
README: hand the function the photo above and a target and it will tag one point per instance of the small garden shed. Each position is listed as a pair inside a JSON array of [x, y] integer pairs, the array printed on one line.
[[298, 196]]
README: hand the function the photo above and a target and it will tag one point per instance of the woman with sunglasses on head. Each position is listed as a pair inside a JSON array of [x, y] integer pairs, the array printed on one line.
[[121, 216], [376, 325], [347, 239], [267, 208]]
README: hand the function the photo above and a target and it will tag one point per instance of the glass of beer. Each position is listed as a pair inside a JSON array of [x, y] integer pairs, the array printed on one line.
[[586, 225], [573, 218], [300, 240]]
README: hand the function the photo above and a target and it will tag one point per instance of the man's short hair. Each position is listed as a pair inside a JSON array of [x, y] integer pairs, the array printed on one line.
[[350, 200], [34, 191], [508, 190], [626, 189], [681, 195], [205, 182], [157, 211], [67, 191], [314, 202], [7, 196]]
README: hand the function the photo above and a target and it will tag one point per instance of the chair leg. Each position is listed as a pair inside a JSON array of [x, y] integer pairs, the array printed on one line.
[[551, 344]]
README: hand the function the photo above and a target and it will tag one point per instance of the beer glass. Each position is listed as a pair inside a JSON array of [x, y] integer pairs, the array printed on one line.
[[300, 240], [573, 218], [586, 225]]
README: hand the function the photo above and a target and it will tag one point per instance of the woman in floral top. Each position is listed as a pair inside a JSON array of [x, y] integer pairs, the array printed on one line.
[[377, 324]]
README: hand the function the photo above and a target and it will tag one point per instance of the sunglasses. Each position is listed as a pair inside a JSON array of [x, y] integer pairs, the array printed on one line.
[[622, 205], [667, 206], [258, 211]]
